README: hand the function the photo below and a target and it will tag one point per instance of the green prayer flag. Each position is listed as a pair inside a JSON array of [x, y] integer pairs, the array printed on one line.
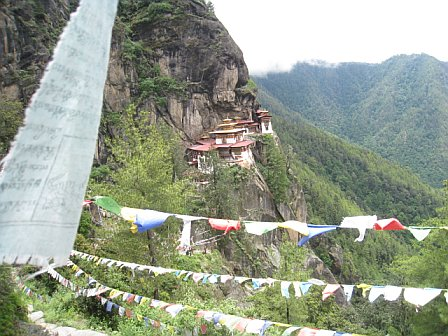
[[108, 204]]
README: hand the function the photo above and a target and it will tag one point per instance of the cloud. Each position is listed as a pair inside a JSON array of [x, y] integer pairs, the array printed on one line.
[[275, 35]]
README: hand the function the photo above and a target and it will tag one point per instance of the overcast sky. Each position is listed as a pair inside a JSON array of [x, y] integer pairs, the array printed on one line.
[[274, 35]]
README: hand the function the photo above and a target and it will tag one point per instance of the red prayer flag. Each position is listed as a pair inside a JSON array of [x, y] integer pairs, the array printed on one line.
[[225, 225], [388, 224]]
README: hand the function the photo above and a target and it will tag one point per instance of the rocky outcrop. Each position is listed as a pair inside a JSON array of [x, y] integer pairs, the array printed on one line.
[[180, 40], [184, 41], [28, 32], [322, 272]]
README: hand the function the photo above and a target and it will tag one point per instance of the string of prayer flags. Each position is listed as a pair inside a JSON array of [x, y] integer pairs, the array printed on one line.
[[305, 287], [365, 288], [348, 291], [232, 322], [27, 290], [290, 330], [284, 287], [420, 296], [390, 293], [184, 241], [297, 290], [300, 227], [121, 311], [144, 220], [130, 214], [419, 234], [259, 228], [309, 332], [150, 219], [376, 292]]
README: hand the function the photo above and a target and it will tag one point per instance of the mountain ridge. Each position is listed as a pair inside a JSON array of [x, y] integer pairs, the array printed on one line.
[[397, 108], [352, 173]]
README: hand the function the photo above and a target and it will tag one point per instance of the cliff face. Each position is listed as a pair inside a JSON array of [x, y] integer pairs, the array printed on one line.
[[184, 41], [182, 44], [28, 32]]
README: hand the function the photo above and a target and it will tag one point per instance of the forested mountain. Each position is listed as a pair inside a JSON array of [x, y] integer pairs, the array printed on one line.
[[341, 179], [398, 108], [359, 176]]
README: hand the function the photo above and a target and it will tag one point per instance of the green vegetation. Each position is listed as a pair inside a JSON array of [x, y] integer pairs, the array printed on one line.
[[11, 115], [141, 170], [145, 169], [354, 178], [250, 87], [427, 268], [397, 108], [12, 307], [218, 198], [341, 180], [153, 13], [274, 170], [162, 86]]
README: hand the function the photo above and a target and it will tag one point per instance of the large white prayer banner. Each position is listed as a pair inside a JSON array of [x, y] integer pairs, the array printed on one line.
[[46, 171]]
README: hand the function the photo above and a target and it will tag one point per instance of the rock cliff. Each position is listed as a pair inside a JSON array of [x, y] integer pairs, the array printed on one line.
[[173, 58], [184, 41], [28, 32]]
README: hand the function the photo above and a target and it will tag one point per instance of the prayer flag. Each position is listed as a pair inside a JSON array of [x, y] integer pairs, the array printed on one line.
[[388, 224], [41, 203], [225, 225], [108, 203], [315, 230]]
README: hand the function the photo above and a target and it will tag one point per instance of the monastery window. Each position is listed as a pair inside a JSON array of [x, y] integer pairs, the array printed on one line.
[[237, 151]]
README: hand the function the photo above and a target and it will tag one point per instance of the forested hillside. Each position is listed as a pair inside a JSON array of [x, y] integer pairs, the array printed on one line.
[[358, 178], [341, 179], [398, 109]]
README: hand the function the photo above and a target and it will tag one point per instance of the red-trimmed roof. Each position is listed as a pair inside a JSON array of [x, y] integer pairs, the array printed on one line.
[[242, 143], [244, 121], [237, 144], [235, 130], [206, 141], [222, 145], [202, 148]]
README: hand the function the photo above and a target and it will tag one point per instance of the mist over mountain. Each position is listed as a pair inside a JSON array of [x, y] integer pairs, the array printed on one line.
[[398, 108]]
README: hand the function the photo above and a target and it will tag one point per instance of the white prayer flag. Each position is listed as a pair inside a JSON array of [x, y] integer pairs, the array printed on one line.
[[47, 169]]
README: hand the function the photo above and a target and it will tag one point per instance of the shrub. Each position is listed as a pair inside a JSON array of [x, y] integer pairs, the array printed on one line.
[[12, 308]]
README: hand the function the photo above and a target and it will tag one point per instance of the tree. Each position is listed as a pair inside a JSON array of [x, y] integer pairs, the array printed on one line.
[[428, 268], [275, 170], [143, 167], [10, 120], [220, 194]]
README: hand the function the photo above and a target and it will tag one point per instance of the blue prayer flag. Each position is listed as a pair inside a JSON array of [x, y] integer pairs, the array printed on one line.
[[315, 230]]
